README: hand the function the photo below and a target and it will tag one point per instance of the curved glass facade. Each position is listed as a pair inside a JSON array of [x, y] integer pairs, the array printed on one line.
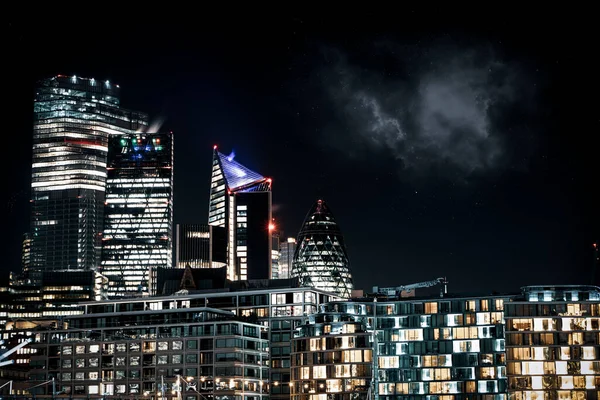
[[320, 259], [73, 118]]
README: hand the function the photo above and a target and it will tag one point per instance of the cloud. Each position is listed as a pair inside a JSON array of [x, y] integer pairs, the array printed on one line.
[[444, 113]]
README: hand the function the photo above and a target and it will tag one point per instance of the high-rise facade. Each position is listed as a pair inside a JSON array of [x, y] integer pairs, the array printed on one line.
[[275, 254], [449, 348], [73, 119], [286, 257], [240, 201], [332, 354], [553, 343], [200, 246], [320, 259], [139, 211]]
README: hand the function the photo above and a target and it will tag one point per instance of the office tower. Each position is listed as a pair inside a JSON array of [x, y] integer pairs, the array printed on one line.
[[200, 246], [139, 211], [275, 255], [320, 260], [73, 119], [553, 343], [286, 256], [240, 201]]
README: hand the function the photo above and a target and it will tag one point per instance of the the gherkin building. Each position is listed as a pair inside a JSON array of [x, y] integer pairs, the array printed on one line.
[[320, 259]]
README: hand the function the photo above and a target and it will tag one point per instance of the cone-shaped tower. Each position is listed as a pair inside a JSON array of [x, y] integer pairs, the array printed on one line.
[[320, 259]]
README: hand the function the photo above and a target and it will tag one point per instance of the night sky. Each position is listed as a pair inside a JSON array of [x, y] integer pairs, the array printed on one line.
[[462, 150]]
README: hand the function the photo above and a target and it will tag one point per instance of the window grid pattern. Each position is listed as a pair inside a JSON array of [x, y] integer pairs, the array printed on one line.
[[73, 119], [451, 349], [320, 258], [199, 358], [553, 343], [138, 227]]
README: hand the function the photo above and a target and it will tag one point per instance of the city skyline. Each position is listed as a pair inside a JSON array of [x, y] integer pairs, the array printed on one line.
[[525, 203]]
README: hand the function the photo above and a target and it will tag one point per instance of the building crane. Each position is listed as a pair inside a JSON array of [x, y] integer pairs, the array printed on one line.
[[396, 291], [10, 351]]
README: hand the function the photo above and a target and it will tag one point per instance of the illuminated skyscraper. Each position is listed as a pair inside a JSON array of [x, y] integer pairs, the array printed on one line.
[[139, 211], [275, 255], [286, 256], [73, 119], [320, 260], [240, 201]]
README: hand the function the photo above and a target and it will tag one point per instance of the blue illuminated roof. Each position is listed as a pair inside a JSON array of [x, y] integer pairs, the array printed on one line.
[[236, 174]]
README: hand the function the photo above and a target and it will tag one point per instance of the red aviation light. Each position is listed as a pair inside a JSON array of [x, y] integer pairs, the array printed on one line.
[[215, 147], [271, 227]]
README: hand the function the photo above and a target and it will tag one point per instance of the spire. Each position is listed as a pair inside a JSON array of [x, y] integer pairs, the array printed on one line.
[[187, 280]]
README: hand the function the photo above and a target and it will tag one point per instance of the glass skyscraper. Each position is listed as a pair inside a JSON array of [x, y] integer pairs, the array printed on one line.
[[286, 256], [320, 260], [73, 119], [275, 255], [138, 228], [240, 201]]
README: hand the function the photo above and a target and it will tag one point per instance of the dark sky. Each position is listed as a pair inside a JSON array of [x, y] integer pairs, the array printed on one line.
[[444, 147]]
